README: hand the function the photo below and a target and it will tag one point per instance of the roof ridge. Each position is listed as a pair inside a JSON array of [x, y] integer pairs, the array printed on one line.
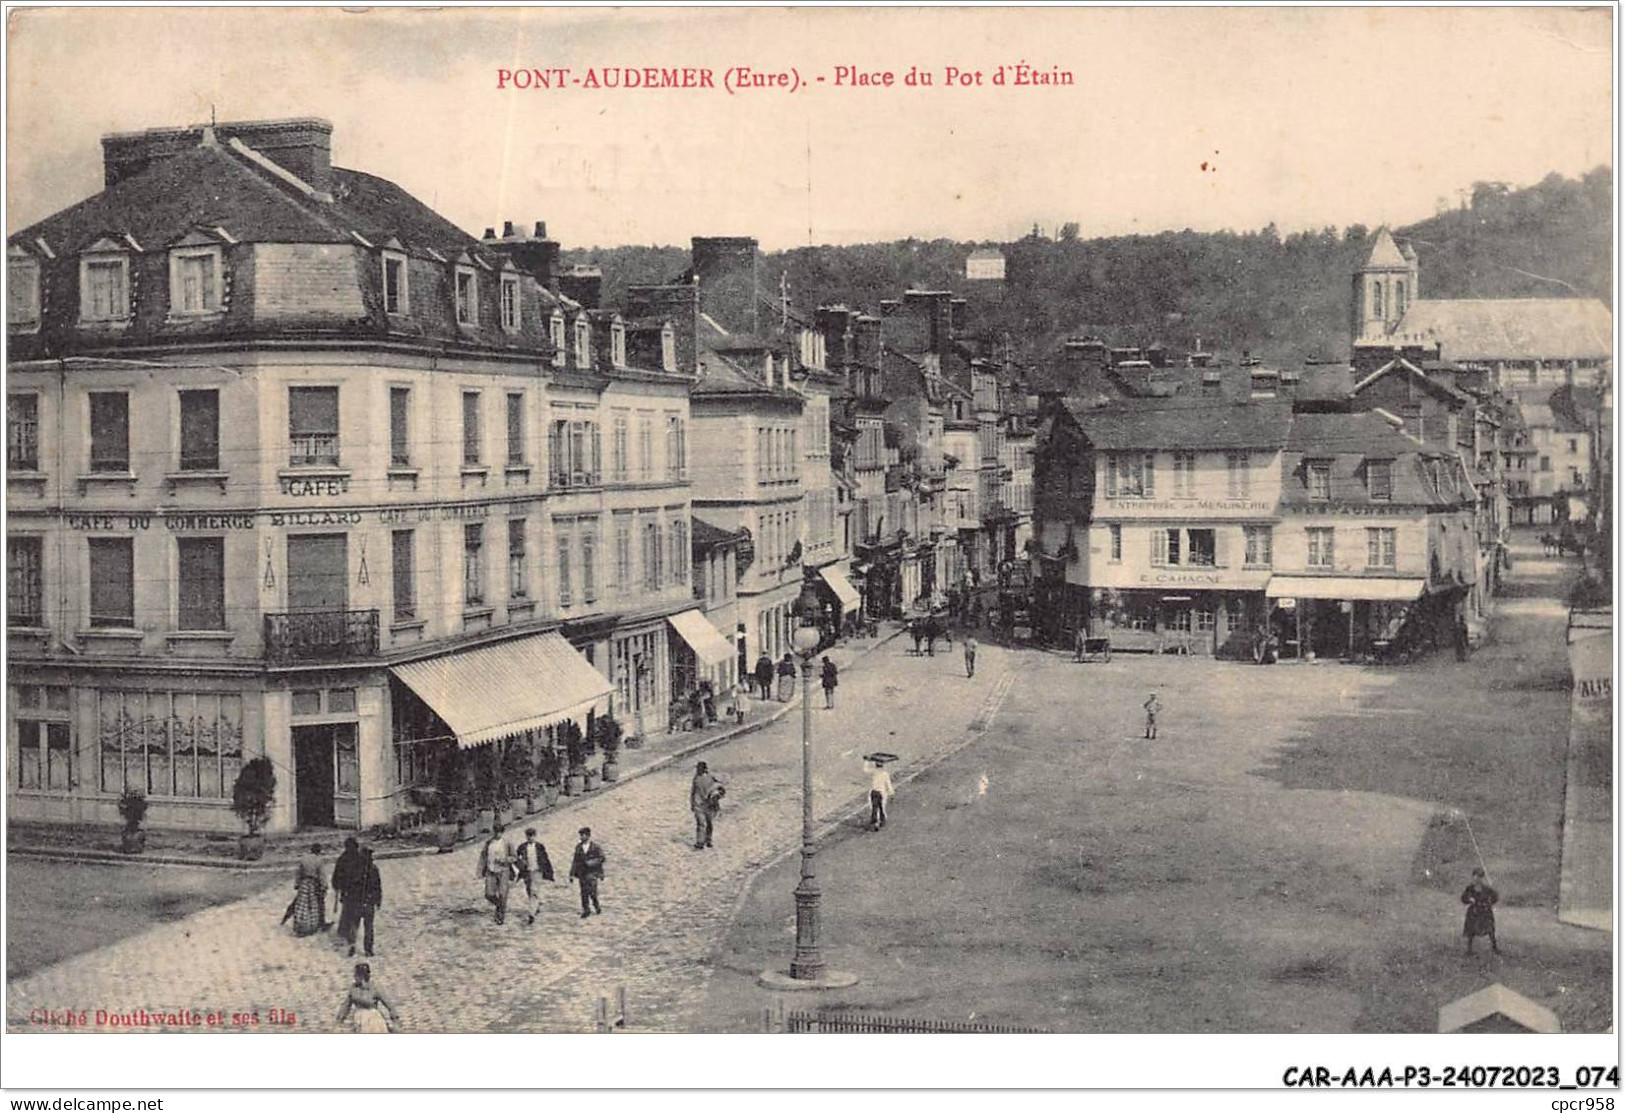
[[248, 171]]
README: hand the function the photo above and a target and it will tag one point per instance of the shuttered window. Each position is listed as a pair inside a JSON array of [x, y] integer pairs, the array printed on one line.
[[202, 583], [112, 582]]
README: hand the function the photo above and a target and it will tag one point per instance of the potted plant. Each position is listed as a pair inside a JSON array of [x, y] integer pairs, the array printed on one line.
[[547, 773], [251, 799], [132, 806], [485, 790], [517, 779], [609, 734], [589, 747], [575, 756]]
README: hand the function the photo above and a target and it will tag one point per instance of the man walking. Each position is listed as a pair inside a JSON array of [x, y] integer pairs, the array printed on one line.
[[535, 867], [369, 897], [880, 794], [829, 680], [970, 656], [347, 879], [1152, 706], [704, 800], [496, 865], [764, 676], [587, 869]]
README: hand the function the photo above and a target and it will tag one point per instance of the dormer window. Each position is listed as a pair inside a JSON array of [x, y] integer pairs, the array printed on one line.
[[104, 288], [467, 293], [617, 344], [510, 302], [1318, 478], [395, 289], [22, 293], [1379, 479], [194, 281], [583, 343], [555, 336], [668, 349]]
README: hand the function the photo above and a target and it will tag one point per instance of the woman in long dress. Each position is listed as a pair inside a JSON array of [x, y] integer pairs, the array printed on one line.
[[310, 894], [365, 1005]]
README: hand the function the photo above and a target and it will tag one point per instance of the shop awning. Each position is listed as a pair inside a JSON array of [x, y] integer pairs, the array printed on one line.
[[842, 587], [704, 639], [500, 690], [1344, 587]]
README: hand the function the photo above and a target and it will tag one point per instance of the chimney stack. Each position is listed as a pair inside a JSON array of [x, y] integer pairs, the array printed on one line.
[[303, 147], [537, 256]]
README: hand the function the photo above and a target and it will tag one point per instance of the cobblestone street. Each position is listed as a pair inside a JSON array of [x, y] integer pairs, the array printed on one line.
[[448, 967]]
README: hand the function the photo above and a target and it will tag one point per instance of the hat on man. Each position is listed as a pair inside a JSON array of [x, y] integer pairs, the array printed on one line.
[[585, 831], [530, 830]]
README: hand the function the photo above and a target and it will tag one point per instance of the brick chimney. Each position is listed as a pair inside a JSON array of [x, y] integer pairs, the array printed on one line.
[[929, 321], [835, 323], [728, 269], [303, 147], [535, 254]]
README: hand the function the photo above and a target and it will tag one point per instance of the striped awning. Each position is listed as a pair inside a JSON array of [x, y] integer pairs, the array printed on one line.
[[500, 690], [704, 639], [842, 587]]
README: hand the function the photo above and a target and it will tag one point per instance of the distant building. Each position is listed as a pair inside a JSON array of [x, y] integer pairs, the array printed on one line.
[[1519, 341], [985, 264]]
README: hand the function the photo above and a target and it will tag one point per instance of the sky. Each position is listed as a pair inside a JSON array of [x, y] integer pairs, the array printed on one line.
[[1207, 118]]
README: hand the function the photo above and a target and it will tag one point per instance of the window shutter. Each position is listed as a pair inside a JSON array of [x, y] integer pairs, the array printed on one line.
[[1159, 547], [1150, 475], [1219, 536], [1111, 476]]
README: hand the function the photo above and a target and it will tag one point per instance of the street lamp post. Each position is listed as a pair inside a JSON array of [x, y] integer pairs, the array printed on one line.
[[807, 969]]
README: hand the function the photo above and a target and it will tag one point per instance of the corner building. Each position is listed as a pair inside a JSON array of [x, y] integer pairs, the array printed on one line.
[[288, 477]]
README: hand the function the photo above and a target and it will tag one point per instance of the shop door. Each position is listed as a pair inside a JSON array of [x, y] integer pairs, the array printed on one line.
[[313, 776], [317, 573]]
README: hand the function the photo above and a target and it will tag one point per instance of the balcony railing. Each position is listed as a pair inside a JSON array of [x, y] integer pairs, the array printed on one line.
[[307, 637], [313, 450]]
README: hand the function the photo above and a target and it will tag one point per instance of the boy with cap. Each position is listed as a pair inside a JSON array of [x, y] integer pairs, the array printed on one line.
[[587, 868], [535, 868]]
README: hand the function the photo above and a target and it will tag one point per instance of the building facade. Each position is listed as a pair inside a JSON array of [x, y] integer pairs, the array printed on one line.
[[295, 483]]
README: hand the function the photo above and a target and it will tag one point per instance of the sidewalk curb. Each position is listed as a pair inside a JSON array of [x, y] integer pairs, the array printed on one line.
[[115, 858]]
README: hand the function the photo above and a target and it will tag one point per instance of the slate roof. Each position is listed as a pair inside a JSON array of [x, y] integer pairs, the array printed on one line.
[[1184, 423], [1385, 252], [703, 535], [1575, 408], [223, 186], [1348, 442], [1510, 328]]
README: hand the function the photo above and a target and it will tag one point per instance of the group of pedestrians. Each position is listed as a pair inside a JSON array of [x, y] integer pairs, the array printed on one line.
[[502, 864], [358, 893], [762, 676]]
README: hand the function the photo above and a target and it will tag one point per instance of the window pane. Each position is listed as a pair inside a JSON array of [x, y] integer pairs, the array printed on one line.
[[112, 582], [518, 585], [471, 427], [313, 425], [307, 702], [401, 562], [22, 431], [58, 755], [340, 700], [22, 293], [399, 451], [28, 754], [200, 430], [394, 286], [516, 428], [473, 556], [109, 432], [202, 583], [25, 592]]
